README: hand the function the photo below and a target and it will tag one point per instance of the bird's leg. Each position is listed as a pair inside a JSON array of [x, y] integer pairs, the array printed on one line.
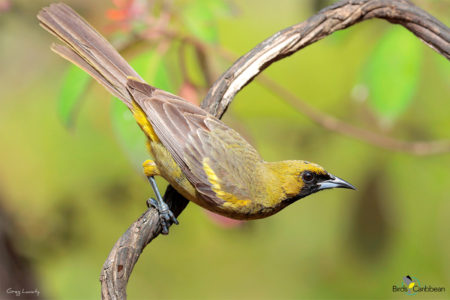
[[166, 216]]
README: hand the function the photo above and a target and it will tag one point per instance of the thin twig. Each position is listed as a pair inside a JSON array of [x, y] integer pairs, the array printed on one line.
[[335, 17], [182, 61], [328, 122], [336, 125], [333, 124]]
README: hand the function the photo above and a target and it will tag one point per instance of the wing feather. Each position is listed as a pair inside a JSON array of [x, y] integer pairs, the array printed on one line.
[[192, 136]]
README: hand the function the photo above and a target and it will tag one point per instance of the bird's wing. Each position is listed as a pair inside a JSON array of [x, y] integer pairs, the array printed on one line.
[[214, 158]]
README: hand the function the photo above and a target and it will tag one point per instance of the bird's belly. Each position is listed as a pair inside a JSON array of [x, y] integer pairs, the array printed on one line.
[[170, 171], [240, 210]]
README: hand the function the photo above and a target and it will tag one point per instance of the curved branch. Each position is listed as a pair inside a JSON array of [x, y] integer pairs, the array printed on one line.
[[336, 17], [118, 266], [125, 253], [326, 121]]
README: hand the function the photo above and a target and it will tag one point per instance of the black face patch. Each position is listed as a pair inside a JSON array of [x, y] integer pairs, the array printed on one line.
[[310, 186]]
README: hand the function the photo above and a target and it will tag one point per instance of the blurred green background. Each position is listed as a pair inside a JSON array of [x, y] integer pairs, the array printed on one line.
[[68, 192]]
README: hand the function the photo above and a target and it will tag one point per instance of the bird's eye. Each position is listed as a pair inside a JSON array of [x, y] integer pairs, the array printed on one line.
[[308, 176]]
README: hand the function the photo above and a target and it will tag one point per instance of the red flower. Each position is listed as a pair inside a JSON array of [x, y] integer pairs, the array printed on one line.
[[5, 5], [188, 92], [123, 12]]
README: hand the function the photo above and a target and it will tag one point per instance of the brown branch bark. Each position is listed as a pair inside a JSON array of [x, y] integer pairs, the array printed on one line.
[[125, 253], [339, 16], [328, 122], [118, 266], [333, 124]]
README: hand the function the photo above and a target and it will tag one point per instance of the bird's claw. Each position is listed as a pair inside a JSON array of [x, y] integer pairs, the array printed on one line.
[[166, 217]]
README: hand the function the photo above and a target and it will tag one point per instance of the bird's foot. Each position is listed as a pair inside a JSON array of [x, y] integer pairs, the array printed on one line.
[[166, 217]]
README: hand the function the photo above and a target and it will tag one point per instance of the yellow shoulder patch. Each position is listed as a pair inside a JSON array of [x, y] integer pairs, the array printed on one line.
[[143, 122], [230, 199]]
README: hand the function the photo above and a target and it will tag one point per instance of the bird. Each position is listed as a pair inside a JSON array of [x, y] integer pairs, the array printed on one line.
[[205, 160]]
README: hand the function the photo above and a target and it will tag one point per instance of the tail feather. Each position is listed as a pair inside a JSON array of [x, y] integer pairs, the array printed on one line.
[[86, 48]]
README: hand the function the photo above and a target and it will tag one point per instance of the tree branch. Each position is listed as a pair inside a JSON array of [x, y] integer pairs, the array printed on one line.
[[339, 16], [320, 118], [118, 266], [125, 253]]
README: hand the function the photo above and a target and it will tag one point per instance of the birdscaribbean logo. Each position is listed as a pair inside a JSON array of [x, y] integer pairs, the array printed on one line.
[[412, 286]]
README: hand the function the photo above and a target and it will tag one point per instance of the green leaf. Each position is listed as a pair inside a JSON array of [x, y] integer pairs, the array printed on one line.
[[75, 82], [153, 69], [200, 18], [161, 79], [145, 64], [392, 73]]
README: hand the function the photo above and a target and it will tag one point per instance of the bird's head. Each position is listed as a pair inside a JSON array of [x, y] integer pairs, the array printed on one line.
[[299, 179]]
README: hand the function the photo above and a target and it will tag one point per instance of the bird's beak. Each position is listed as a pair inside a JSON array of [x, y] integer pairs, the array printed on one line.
[[335, 182]]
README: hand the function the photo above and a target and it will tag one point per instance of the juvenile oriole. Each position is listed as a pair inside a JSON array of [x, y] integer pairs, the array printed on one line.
[[202, 158]]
